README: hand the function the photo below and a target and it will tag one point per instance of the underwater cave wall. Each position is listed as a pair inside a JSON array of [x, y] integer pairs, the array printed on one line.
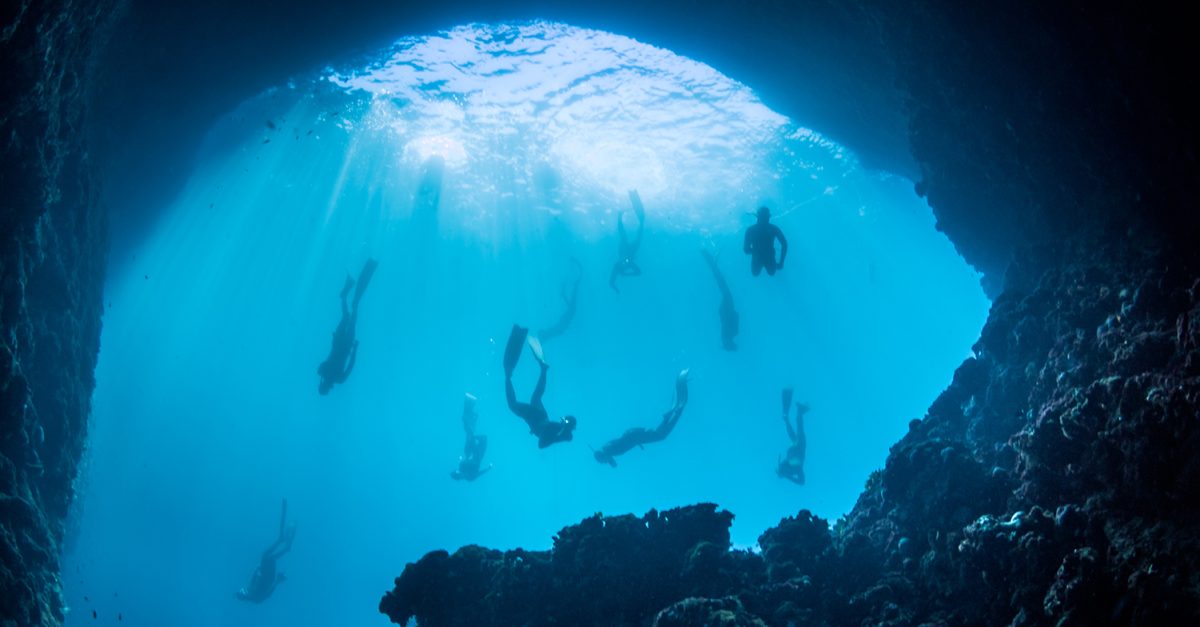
[[51, 277], [1055, 480]]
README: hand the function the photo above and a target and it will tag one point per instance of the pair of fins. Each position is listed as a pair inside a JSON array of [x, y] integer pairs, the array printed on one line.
[[360, 286], [517, 338]]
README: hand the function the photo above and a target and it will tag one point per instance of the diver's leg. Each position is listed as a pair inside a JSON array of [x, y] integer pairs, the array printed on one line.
[[770, 265], [538, 391], [510, 395], [346, 287], [756, 266]]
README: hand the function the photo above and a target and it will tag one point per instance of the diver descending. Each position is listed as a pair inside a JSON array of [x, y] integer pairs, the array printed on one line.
[[791, 464], [639, 436], [344, 352], [729, 315], [265, 578], [475, 447], [625, 265], [534, 412], [570, 296], [760, 244]]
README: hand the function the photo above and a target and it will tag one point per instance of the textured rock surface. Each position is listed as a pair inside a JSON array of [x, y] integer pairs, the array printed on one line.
[[51, 267]]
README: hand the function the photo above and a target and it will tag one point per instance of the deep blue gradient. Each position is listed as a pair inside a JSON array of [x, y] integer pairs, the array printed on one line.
[[206, 412]]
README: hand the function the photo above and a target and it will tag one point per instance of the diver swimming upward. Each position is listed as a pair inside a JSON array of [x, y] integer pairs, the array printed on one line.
[[344, 352], [791, 464], [475, 447], [534, 412], [265, 578], [760, 244], [625, 265], [639, 436]]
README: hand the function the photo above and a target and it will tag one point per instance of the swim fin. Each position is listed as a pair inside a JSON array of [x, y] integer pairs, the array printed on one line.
[[364, 278], [535, 347], [512, 351], [787, 400], [638, 209]]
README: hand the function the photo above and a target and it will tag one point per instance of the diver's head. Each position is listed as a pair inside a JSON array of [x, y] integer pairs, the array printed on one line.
[[242, 596], [324, 386], [730, 345], [604, 458], [763, 214], [570, 421], [456, 475]]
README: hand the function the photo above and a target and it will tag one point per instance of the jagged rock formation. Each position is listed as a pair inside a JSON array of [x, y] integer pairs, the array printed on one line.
[[51, 272], [1054, 481]]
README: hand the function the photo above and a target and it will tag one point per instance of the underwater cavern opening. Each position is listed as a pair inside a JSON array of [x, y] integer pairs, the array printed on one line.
[[476, 166]]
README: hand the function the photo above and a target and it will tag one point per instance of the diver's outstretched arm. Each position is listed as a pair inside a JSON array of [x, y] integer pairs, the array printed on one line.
[[612, 277], [783, 246]]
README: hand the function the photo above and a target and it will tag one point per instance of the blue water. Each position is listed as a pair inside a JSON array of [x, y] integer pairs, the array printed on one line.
[[206, 412]]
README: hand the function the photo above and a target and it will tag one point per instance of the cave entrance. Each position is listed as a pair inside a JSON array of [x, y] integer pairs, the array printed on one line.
[[475, 164]]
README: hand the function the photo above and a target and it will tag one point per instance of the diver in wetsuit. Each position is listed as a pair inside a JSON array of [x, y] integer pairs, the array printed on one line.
[[639, 436], [729, 315], [475, 447], [265, 578], [344, 351], [625, 265], [534, 412], [570, 296], [760, 244], [791, 465]]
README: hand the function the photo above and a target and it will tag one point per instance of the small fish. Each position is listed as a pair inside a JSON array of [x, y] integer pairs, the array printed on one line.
[[85, 598], [309, 132], [270, 125], [93, 614], [120, 617], [146, 276], [267, 141]]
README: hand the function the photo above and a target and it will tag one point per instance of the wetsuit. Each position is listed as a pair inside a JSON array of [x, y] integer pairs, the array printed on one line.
[[760, 245]]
